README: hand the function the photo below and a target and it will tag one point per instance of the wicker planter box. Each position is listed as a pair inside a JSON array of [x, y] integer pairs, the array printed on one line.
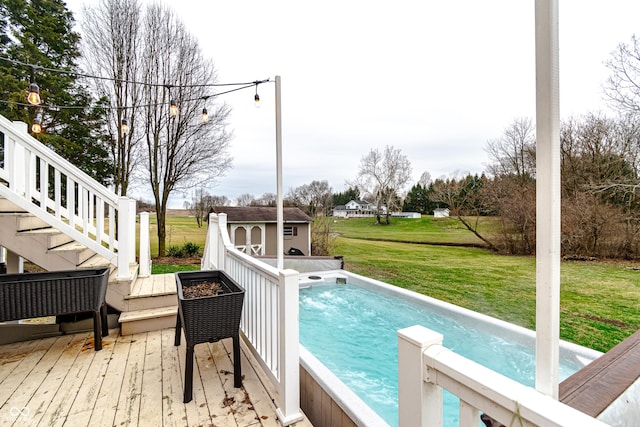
[[209, 319], [52, 293]]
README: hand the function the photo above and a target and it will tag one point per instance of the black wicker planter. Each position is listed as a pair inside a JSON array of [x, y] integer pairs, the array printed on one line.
[[52, 293], [209, 319]]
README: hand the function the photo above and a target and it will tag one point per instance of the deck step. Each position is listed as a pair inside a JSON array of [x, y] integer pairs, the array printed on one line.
[[134, 322]]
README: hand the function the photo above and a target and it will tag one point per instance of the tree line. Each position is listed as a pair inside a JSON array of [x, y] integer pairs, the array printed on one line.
[[600, 170], [147, 61]]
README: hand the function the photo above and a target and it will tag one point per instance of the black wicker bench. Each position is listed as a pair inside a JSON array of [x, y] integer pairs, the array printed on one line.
[[53, 293]]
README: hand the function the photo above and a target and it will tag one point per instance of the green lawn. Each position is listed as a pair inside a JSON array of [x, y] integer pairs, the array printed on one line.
[[180, 230], [425, 229], [600, 301]]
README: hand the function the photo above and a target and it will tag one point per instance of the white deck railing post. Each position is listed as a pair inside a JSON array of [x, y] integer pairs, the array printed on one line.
[[145, 246], [220, 243], [419, 400], [124, 214], [289, 364]]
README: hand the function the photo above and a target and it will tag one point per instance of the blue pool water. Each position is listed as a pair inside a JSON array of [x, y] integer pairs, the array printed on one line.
[[353, 332]]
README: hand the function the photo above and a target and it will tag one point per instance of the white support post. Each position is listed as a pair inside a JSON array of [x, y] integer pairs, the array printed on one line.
[[222, 224], [145, 246], [279, 197], [419, 401], [124, 214], [18, 162], [131, 230], [289, 363], [547, 198], [15, 263]]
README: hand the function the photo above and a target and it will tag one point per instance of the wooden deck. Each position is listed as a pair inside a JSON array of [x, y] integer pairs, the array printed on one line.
[[134, 380]]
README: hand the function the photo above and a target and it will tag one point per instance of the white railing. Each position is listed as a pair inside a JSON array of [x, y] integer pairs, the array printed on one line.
[[269, 315], [51, 188], [425, 367]]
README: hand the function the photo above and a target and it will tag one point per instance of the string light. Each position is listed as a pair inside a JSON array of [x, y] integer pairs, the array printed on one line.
[[256, 98], [124, 126], [34, 94], [36, 126], [34, 98]]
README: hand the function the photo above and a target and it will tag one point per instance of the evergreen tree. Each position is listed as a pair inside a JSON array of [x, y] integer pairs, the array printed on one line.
[[345, 197], [40, 33]]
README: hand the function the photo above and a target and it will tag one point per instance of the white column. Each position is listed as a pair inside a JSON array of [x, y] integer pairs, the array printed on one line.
[[247, 239], [15, 263], [145, 246], [123, 238], [419, 402], [222, 253], [279, 198], [131, 231], [289, 352], [547, 198]]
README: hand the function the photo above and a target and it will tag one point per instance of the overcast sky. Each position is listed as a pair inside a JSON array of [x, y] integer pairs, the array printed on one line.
[[436, 79]]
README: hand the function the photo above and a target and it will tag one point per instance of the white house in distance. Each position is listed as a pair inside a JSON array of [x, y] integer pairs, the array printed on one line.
[[364, 209], [357, 209]]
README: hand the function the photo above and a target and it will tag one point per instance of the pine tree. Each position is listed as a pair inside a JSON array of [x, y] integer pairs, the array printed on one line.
[[40, 33]]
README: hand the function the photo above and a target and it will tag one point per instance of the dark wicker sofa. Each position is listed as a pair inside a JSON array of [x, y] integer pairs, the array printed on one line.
[[53, 293]]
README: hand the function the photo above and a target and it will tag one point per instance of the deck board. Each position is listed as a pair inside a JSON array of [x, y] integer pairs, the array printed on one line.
[[134, 380]]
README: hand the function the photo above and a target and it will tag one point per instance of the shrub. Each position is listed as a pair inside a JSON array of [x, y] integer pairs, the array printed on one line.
[[175, 251], [190, 249]]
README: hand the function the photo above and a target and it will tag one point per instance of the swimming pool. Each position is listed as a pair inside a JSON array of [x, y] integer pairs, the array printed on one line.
[[351, 329]]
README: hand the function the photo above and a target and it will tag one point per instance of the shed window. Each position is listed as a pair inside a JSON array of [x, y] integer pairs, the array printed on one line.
[[290, 231]]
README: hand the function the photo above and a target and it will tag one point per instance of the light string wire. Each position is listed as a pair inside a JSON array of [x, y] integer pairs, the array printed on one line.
[[243, 85]]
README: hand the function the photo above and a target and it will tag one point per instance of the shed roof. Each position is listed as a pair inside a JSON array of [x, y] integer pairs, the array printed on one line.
[[261, 214]]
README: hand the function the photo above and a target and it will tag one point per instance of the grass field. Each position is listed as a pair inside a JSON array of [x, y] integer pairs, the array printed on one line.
[[600, 301]]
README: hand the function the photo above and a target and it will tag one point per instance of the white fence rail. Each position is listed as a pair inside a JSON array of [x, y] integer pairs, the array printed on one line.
[[426, 367], [43, 183], [269, 315]]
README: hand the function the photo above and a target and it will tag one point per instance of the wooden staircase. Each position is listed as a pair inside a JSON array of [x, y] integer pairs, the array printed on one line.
[[145, 303], [35, 240]]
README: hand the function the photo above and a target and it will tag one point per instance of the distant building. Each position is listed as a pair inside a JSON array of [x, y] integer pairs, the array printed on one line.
[[253, 230], [357, 209], [441, 212]]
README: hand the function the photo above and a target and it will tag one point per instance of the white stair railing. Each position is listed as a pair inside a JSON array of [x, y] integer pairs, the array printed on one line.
[[41, 182]]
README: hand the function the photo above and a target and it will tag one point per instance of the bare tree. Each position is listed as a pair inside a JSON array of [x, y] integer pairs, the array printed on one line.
[[203, 203], [267, 199], [245, 199], [111, 45], [182, 150], [382, 176], [314, 198], [514, 152], [425, 179], [623, 86]]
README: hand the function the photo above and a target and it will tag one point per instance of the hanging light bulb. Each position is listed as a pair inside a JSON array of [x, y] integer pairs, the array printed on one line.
[[256, 98], [34, 94], [36, 126], [173, 108], [205, 115], [124, 126]]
